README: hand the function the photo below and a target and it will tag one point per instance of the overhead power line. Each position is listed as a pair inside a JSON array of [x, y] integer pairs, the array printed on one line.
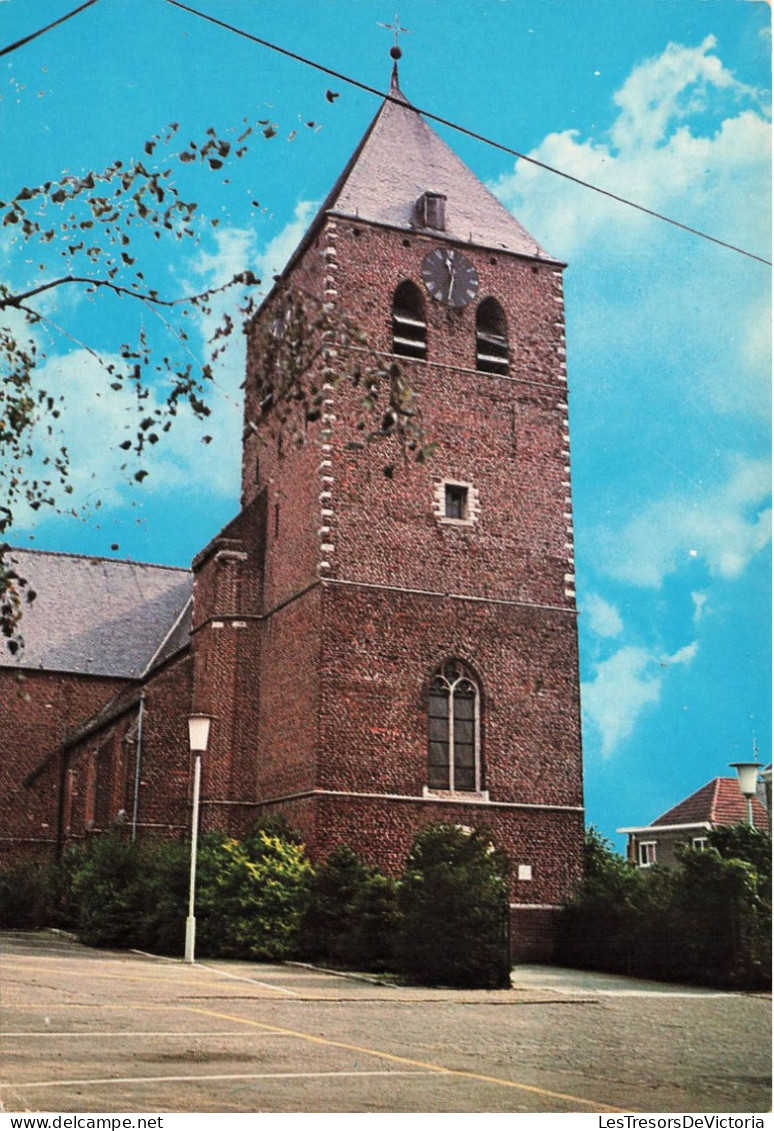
[[470, 133], [20, 42]]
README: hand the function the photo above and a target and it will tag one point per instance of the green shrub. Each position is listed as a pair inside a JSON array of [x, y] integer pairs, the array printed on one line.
[[453, 900], [64, 910], [251, 896], [352, 915], [599, 926], [722, 921], [108, 888], [25, 895], [375, 920], [166, 881], [705, 920]]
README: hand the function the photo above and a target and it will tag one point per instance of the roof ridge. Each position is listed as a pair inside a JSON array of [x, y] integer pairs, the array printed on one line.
[[171, 630], [715, 796], [95, 558]]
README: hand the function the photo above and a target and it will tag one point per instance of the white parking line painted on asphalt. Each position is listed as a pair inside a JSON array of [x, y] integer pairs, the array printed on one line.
[[244, 978]]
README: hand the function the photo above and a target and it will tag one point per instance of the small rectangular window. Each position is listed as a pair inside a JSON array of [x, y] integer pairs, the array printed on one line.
[[455, 501], [647, 853], [699, 843], [433, 210]]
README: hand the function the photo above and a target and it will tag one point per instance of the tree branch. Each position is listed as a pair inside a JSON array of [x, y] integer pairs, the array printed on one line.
[[16, 301]]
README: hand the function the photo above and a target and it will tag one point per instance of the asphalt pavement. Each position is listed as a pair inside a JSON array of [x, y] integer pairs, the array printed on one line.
[[101, 1032]]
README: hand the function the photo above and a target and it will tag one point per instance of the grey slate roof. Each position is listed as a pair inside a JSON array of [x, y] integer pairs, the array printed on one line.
[[99, 616], [400, 158]]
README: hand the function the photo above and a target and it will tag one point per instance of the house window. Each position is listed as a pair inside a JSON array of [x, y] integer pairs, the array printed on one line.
[[647, 853], [491, 337], [409, 328], [454, 757], [699, 843], [455, 501]]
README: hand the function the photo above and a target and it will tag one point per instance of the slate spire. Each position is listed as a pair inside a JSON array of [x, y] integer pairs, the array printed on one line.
[[399, 158]]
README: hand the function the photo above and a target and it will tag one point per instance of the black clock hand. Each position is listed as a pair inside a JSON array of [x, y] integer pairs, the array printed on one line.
[[450, 269]]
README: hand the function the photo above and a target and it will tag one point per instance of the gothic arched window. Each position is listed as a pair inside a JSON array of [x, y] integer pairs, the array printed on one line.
[[491, 337], [453, 749], [409, 328]]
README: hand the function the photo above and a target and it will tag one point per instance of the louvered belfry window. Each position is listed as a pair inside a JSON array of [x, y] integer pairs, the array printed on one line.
[[454, 761], [409, 328], [491, 338]]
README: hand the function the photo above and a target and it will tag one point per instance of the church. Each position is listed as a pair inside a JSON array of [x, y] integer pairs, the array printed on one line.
[[383, 641]]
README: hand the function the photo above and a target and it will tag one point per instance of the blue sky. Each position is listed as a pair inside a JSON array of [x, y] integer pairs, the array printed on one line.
[[668, 336]]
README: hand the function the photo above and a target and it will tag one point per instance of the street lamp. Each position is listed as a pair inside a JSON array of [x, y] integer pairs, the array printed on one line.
[[198, 736], [748, 783]]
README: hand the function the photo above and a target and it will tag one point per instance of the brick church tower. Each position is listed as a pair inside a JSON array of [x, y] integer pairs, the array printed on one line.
[[388, 642]]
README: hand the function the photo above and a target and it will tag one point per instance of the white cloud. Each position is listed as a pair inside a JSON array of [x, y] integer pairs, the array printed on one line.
[[723, 526], [664, 151], [666, 90], [279, 250], [95, 419], [683, 655], [700, 606], [603, 618], [623, 687], [235, 252]]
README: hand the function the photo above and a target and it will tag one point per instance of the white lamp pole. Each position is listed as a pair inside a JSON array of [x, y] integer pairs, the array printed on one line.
[[198, 736], [748, 783]]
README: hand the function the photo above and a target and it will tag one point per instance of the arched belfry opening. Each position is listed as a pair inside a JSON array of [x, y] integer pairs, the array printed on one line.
[[491, 337], [409, 326]]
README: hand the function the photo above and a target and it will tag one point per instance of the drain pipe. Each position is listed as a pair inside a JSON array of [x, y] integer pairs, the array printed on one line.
[[137, 767]]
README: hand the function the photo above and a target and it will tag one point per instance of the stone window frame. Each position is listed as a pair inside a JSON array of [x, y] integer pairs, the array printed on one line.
[[452, 675], [472, 502]]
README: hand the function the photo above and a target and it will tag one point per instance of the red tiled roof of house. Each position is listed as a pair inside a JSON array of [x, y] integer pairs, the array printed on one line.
[[719, 802]]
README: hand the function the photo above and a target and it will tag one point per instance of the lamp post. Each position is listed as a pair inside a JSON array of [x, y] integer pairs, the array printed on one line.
[[198, 736], [747, 773]]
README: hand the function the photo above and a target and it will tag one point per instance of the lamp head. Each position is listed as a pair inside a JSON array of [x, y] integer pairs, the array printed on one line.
[[199, 732], [748, 776]]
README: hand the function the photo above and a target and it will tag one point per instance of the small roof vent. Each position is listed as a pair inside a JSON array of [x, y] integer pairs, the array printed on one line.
[[431, 210]]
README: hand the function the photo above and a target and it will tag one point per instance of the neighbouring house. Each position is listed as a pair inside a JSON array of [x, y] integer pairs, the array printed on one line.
[[719, 802], [382, 642]]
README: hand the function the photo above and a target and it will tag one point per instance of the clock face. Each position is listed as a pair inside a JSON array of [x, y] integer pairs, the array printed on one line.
[[449, 276]]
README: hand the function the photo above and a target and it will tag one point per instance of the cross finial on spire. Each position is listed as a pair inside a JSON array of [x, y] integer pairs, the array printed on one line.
[[396, 29]]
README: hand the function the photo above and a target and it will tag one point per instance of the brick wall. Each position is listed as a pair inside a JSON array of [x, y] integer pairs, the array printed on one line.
[[87, 786], [38, 711], [381, 649], [368, 593]]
